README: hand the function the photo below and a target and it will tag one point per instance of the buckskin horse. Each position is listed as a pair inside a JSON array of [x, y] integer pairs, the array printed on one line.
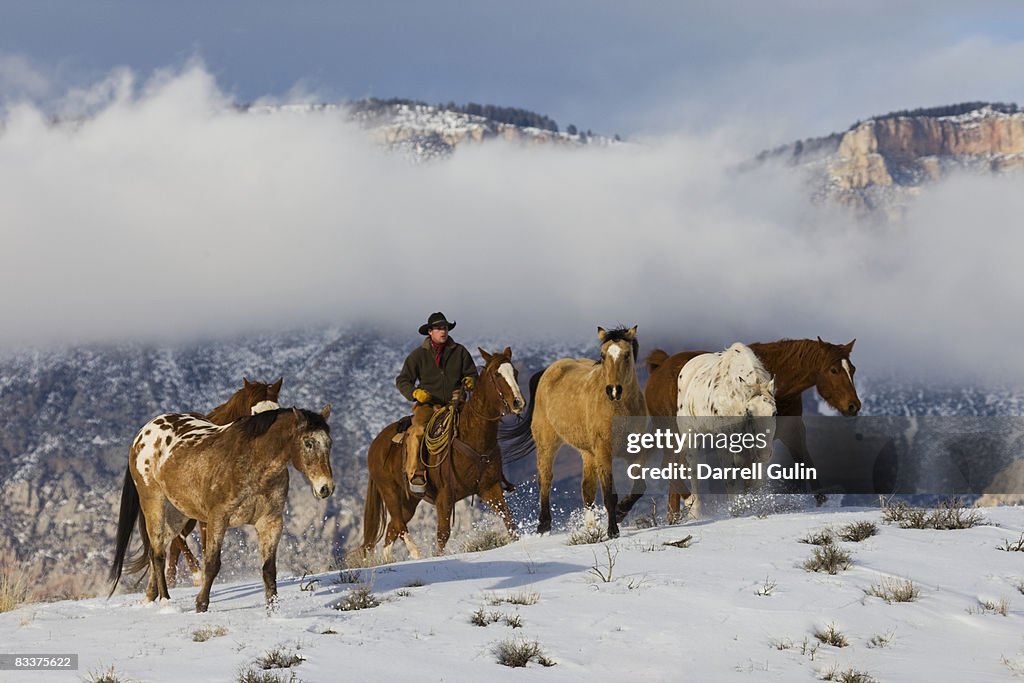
[[796, 365], [573, 401], [252, 398], [182, 466], [471, 465]]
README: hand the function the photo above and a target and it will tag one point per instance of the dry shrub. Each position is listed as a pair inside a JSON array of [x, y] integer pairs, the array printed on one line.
[[950, 514], [855, 532], [358, 598], [895, 590], [485, 539], [830, 635], [828, 558], [517, 653], [14, 585]]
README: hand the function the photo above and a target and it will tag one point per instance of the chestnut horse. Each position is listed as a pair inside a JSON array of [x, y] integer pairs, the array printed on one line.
[[573, 401], [796, 364], [471, 466], [252, 398], [183, 467]]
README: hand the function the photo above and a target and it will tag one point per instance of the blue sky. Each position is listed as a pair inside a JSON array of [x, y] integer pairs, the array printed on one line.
[[809, 67]]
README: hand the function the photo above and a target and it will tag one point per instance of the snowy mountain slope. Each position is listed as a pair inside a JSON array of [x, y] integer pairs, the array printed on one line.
[[70, 413], [735, 605]]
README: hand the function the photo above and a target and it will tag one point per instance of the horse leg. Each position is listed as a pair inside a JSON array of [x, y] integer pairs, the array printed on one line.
[[636, 492], [793, 435], [268, 529], [694, 509], [179, 547], [546, 449], [155, 513], [443, 504], [211, 560], [494, 496], [401, 507], [611, 498], [588, 488]]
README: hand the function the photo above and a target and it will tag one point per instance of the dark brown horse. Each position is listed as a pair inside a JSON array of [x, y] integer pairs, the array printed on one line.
[[182, 466], [252, 398], [471, 466], [796, 364]]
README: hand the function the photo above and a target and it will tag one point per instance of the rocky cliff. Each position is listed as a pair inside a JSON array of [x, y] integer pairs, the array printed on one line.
[[879, 164]]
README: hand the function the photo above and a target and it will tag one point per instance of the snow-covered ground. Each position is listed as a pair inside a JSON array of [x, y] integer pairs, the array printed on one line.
[[736, 605]]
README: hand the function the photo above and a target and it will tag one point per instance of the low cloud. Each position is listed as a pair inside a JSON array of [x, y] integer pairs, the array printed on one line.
[[168, 214]]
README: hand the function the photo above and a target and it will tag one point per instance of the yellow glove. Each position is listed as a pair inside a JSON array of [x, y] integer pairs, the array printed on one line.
[[420, 396], [468, 382]]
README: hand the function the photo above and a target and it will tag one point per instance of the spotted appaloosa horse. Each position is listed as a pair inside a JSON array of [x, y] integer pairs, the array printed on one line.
[[796, 365], [252, 398], [732, 383], [573, 401], [183, 467]]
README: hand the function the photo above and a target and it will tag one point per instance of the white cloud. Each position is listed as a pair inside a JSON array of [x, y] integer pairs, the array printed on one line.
[[167, 214], [20, 79]]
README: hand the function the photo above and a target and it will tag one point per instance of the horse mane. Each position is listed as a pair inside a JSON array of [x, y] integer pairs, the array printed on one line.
[[255, 426], [241, 402], [796, 353], [622, 334]]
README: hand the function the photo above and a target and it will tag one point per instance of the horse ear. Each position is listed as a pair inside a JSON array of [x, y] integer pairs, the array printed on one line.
[[821, 341], [275, 388], [326, 412], [508, 351], [849, 347], [300, 419], [601, 334], [246, 383], [632, 332], [483, 354]]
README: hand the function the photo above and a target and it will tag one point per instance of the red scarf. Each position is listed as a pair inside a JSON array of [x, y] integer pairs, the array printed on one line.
[[438, 350]]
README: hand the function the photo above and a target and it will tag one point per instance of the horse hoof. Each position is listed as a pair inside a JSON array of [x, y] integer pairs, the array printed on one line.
[[613, 532], [543, 528]]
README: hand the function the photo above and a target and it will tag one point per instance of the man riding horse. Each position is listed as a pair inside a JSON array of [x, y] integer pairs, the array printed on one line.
[[433, 375]]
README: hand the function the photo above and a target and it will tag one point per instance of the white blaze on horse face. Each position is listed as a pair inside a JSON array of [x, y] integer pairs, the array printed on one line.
[[614, 352], [506, 371], [846, 366]]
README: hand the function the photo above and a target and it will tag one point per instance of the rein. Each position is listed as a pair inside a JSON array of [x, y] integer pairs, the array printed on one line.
[[502, 412]]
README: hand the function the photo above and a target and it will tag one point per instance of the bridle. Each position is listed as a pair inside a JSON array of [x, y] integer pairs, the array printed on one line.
[[504, 410]]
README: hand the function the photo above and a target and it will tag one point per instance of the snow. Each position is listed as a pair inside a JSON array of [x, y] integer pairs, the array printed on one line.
[[735, 605]]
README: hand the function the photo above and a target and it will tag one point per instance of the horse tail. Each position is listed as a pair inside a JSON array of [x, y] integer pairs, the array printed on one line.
[[374, 516], [129, 513], [517, 440], [655, 359]]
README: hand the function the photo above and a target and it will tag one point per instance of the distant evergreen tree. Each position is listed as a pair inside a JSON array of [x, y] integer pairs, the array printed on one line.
[[949, 110], [510, 115], [571, 129]]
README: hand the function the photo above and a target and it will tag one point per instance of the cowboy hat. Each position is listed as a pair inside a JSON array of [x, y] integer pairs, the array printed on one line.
[[436, 320]]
